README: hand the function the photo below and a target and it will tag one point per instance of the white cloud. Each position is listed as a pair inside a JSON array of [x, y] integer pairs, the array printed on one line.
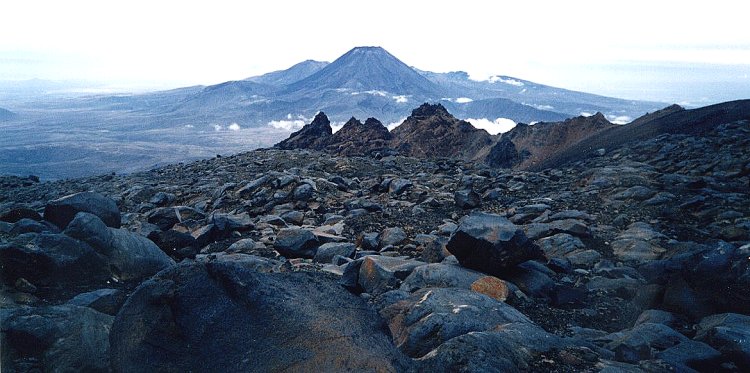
[[463, 100], [289, 124], [499, 125], [336, 126], [500, 79], [189, 126], [218, 127], [621, 119], [544, 107], [395, 124], [234, 127], [586, 114], [372, 92], [401, 99]]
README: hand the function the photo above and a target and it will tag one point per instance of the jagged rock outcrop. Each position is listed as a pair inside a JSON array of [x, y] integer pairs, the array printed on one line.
[[315, 135], [357, 138], [431, 132], [527, 145]]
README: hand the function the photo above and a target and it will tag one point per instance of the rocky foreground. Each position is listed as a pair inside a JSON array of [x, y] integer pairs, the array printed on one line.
[[637, 259]]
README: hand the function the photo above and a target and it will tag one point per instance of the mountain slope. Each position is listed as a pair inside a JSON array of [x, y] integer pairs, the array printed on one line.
[[525, 146], [293, 74], [6, 114], [368, 69], [431, 132], [690, 122]]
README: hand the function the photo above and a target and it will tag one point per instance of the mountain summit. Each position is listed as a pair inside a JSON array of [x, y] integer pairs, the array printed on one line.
[[369, 69]]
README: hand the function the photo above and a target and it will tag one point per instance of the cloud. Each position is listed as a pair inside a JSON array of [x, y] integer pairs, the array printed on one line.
[[500, 79], [234, 127], [287, 125], [621, 119], [189, 126], [401, 99], [372, 92], [218, 127], [586, 114], [336, 126], [395, 124], [460, 100], [499, 125]]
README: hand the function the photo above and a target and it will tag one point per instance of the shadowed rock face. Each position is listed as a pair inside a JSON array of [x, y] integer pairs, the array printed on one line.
[[526, 145], [248, 320], [431, 132], [312, 136], [357, 138]]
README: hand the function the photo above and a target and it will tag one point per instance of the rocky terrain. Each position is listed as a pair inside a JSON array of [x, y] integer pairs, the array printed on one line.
[[630, 257]]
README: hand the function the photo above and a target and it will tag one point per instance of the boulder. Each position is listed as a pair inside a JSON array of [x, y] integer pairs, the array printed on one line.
[[467, 199], [129, 256], [399, 186], [432, 316], [730, 334], [296, 243], [391, 236], [379, 274], [63, 338], [248, 321], [657, 341], [491, 244], [107, 301], [51, 260], [167, 217], [61, 211], [327, 251], [440, 276], [17, 213]]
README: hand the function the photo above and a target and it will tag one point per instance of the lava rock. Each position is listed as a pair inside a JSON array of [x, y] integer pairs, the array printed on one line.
[[51, 260], [432, 316], [467, 199], [296, 243], [491, 244], [107, 301], [61, 211], [379, 274], [63, 338], [327, 251], [247, 320]]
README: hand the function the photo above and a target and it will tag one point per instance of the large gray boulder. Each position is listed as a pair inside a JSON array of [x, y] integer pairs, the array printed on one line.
[[296, 243], [47, 259], [61, 211], [432, 316], [225, 316], [491, 244], [64, 338], [129, 255]]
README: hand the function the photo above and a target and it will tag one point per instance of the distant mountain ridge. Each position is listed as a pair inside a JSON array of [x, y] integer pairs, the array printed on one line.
[[432, 132], [6, 114], [371, 82]]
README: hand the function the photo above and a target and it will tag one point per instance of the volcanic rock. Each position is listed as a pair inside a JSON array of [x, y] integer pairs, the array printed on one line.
[[491, 244]]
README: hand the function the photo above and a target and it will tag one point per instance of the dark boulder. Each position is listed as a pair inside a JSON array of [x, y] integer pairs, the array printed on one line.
[[432, 316], [61, 211], [491, 244], [15, 214], [467, 199], [248, 321], [296, 243], [167, 217], [107, 301], [55, 339], [51, 260], [129, 255]]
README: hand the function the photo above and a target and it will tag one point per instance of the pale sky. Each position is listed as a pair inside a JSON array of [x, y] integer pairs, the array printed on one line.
[[603, 47]]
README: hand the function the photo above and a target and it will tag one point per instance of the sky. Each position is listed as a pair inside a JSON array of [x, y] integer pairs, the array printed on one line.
[[659, 50]]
